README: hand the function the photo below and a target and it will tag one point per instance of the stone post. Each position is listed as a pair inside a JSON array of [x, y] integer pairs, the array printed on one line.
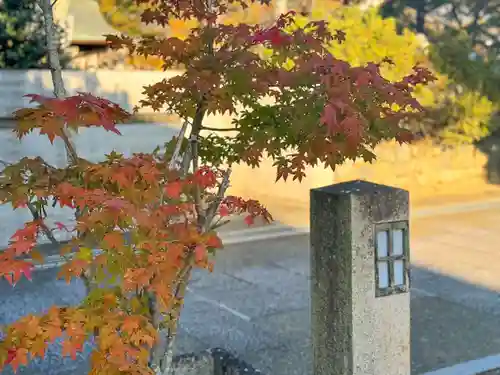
[[360, 280]]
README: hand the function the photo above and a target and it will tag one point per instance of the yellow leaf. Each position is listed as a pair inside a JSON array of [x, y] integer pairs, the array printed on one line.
[[37, 256], [84, 253]]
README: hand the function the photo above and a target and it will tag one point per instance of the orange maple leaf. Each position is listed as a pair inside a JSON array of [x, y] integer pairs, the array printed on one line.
[[113, 240], [131, 324], [71, 348], [213, 240], [174, 189], [200, 253]]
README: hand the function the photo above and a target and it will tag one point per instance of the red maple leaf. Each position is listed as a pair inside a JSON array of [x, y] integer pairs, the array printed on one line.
[[273, 35], [16, 269], [29, 231], [61, 226], [174, 189], [38, 98], [205, 177], [223, 211], [200, 253], [21, 247], [249, 220], [24, 268], [11, 355], [329, 118], [213, 241]]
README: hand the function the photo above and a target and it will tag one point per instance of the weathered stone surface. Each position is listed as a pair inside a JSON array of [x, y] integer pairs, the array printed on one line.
[[354, 332], [201, 364], [331, 294]]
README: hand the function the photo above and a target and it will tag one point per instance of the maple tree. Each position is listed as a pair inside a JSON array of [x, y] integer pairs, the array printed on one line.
[[154, 216]]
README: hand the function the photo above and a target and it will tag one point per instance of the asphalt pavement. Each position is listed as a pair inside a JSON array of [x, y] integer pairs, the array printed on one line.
[[256, 303]]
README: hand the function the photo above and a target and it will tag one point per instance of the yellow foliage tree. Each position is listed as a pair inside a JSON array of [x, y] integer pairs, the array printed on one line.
[[453, 116], [123, 16]]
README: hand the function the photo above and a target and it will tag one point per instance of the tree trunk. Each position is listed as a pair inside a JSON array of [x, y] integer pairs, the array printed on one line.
[[420, 17], [55, 68]]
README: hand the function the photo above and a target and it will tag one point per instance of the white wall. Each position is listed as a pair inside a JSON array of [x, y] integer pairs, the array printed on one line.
[[91, 143], [125, 89], [122, 87]]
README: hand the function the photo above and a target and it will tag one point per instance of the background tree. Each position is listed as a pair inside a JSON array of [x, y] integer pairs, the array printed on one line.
[[22, 36], [411, 13], [480, 19], [453, 113], [125, 16], [464, 37]]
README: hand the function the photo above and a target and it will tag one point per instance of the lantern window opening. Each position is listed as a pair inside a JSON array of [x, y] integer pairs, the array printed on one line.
[[391, 258]]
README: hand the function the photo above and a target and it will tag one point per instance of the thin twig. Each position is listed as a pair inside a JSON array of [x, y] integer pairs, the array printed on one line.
[[219, 129], [178, 145], [212, 209], [43, 226], [52, 48], [186, 160], [193, 142], [197, 190], [218, 224], [176, 154], [161, 355], [36, 216]]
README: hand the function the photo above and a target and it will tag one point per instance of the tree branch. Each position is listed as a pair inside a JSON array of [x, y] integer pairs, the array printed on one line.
[[219, 129], [177, 150], [36, 216], [456, 16], [60, 92], [43, 226], [56, 69], [479, 6], [212, 209], [162, 353], [176, 154], [162, 359]]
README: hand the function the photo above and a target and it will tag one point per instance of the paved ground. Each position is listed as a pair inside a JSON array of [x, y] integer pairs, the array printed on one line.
[[257, 301]]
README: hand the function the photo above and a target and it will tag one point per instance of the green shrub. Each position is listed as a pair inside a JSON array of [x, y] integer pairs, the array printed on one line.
[[22, 35]]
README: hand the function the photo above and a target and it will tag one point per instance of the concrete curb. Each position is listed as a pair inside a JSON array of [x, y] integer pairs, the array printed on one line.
[[474, 367], [456, 208], [281, 230], [228, 238]]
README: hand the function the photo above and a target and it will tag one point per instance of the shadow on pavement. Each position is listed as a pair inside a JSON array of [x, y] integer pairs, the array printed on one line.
[[452, 321], [268, 283]]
